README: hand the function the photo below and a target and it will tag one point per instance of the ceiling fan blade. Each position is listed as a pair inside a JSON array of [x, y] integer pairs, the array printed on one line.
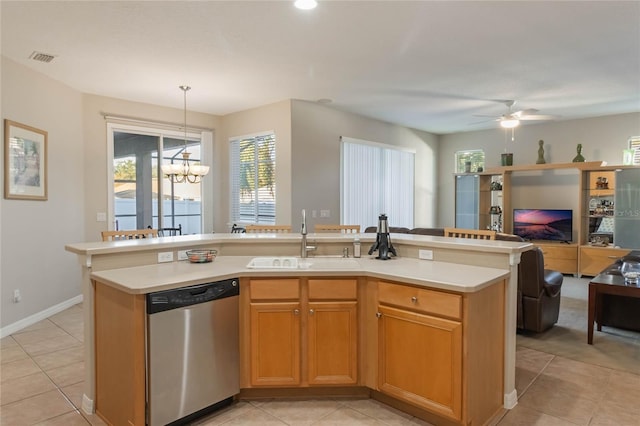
[[540, 117], [497, 117], [524, 112], [483, 121]]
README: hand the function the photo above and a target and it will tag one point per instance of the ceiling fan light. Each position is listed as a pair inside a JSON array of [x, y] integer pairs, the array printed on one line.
[[509, 123]]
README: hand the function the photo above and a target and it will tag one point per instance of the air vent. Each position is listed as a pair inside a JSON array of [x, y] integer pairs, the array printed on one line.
[[42, 57]]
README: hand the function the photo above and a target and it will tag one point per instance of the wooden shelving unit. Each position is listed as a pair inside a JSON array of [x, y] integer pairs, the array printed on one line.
[[579, 257]]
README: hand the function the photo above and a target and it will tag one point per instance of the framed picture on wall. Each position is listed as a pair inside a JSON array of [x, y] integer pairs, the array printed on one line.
[[25, 162]]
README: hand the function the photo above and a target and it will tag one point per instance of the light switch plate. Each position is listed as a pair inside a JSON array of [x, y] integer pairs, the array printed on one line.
[[166, 256]]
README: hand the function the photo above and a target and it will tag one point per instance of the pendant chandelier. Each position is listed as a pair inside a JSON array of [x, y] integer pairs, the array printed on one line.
[[185, 172]]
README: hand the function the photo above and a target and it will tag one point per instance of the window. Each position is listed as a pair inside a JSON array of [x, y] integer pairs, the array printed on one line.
[[139, 198], [474, 156], [253, 179], [376, 179]]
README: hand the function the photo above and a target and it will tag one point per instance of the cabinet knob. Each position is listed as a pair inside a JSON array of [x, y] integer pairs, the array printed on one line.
[[414, 299], [378, 314], [296, 312], [311, 311]]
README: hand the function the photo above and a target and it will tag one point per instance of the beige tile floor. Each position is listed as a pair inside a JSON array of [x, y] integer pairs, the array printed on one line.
[[42, 369]]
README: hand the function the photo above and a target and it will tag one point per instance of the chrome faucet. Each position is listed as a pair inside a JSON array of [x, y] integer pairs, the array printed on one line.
[[304, 248]]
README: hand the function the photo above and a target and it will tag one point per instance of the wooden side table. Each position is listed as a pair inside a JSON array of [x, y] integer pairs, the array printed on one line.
[[605, 284]]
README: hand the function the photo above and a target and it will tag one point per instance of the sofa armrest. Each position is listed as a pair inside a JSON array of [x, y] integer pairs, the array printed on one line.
[[552, 282]]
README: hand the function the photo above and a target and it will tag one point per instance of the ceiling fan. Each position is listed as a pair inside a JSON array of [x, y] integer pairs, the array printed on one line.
[[512, 119]]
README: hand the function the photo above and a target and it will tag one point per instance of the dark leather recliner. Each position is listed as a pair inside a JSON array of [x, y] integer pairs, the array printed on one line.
[[538, 293]]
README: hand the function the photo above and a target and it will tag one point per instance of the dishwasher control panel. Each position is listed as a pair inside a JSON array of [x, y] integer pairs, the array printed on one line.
[[185, 296]]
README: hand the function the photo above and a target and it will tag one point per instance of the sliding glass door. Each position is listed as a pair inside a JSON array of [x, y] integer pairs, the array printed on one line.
[[142, 197]]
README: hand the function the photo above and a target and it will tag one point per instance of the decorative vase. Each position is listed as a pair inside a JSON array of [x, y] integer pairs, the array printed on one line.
[[540, 159], [506, 159]]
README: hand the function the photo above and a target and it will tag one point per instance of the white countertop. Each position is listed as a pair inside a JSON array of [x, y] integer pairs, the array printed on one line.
[[434, 274], [197, 240]]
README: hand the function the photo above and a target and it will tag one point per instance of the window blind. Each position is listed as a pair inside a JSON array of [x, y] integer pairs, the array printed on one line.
[[375, 179], [253, 184]]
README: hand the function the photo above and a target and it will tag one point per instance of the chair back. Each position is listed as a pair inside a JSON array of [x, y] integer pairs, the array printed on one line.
[[254, 229], [474, 234], [235, 229], [342, 229], [531, 272], [129, 234], [170, 232]]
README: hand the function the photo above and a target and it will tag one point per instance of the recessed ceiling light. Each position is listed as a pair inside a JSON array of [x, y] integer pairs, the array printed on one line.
[[305, 4]]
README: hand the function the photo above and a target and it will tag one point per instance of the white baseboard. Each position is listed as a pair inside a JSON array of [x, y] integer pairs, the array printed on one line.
[[510, 399], [87, 404], [39, 316]]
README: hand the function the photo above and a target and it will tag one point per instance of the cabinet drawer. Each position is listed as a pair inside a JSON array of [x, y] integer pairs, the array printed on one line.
[[274, 289], [594, 259], [421, 300], [559, 252], [338, 289]]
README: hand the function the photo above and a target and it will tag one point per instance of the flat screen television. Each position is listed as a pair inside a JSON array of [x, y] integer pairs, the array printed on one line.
[[543, 224]]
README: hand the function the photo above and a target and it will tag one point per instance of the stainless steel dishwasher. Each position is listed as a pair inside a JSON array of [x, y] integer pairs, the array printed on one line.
[[192, 351]]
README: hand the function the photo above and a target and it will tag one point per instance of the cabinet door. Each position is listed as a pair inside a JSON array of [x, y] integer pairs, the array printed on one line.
[[275, 344], [627, 209], [332, 343], [420, 360], [467, 202]]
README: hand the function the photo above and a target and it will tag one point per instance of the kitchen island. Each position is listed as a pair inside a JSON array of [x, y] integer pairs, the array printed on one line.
[[472, 283]]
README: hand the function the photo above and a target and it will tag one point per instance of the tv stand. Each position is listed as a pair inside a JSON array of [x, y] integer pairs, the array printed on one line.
[[561, 256]]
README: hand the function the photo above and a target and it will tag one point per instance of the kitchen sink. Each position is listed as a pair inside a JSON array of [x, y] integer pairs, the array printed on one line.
[[273, 263], [291, 262]]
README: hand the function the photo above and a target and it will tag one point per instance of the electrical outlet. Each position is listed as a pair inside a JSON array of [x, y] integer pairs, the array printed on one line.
[[425, 254], [101, 217], [182, 255], [166, 256], [17, 297]]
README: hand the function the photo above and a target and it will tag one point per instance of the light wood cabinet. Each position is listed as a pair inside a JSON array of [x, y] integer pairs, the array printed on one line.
[[120, 355], [560, 257], [442, 351], [594, 259], [420, 360], [332, 332], [275, 344], [290, 318], [420, 355]]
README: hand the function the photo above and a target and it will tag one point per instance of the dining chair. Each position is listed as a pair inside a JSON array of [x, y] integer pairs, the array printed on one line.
[[342, 229], [474, 234], [129, 234], [170, 232], [253, 229]]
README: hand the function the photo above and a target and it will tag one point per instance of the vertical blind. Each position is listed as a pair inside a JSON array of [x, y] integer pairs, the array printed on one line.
[[253, 182], [376, 179]]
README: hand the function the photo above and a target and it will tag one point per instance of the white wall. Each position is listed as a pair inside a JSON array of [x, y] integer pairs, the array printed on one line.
[[95, 158], [602, 139], [34, 232], [274, 117], [316, 131]]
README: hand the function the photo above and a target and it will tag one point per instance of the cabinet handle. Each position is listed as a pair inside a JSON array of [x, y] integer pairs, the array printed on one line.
[[414, 299], [378, 314], [296, 312], [311, 311]]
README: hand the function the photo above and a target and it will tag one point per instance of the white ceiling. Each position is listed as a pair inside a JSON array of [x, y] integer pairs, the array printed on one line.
[[422, 64]]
